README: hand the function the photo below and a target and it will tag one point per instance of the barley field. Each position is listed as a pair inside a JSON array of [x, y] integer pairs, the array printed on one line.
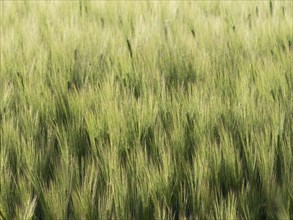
[[146, 110]]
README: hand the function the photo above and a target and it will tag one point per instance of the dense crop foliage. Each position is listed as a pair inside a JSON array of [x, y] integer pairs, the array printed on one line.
[[146, 110]]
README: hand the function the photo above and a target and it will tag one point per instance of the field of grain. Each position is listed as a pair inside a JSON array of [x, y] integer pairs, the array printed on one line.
[[146, 110]]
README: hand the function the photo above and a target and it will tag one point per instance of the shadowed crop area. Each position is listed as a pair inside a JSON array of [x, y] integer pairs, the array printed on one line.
[[146, 110]]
